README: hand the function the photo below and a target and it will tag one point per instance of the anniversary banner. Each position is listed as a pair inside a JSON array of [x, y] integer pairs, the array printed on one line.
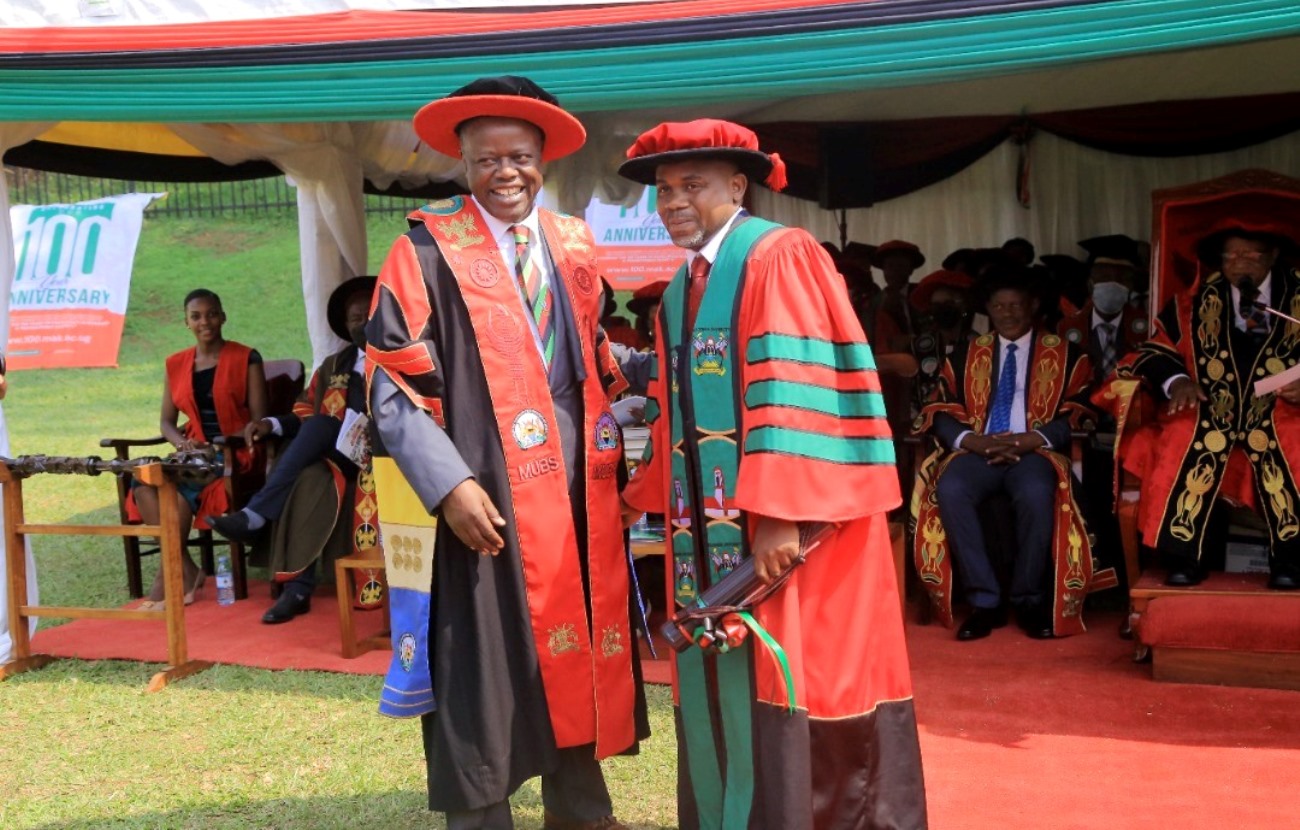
[[633, 247], [72, 277]]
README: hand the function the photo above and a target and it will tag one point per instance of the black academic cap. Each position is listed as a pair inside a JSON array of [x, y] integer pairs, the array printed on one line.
[[1113, 249]]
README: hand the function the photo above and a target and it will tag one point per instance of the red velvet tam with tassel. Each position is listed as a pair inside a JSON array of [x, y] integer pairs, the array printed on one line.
[[703, 138]]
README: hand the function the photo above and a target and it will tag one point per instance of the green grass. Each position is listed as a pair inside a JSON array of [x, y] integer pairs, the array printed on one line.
[[233, 747]]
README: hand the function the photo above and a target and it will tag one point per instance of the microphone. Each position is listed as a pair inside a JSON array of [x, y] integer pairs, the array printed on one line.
[[1275, 312], [1250, 296]]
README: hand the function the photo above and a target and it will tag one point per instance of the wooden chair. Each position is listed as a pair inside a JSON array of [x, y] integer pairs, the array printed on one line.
[[370, 560], [284, 382], [997, 518]]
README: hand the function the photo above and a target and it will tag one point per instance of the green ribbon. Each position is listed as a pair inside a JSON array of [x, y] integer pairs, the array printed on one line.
[[779, 653]]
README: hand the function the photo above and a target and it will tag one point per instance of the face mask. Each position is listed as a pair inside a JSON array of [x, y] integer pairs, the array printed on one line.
[[946, 316], [1110, 297]]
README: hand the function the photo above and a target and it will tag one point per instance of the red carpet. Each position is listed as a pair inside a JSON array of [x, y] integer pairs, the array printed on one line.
[[1019, 733], [1016, 733], [235, 634], [227, 634]]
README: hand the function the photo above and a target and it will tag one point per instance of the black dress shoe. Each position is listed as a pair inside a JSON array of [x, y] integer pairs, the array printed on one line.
[[1126, 627], [981, 623], [1283, 580], [1036, 621], [1183, 577], [233, 526], [289, 605]]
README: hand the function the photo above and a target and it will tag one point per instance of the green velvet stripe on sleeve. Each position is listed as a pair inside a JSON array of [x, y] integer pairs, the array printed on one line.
[[830, 448], [842, 357], [813, 398]]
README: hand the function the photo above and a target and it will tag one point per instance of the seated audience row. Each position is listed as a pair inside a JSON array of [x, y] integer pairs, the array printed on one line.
[[1069, 345]]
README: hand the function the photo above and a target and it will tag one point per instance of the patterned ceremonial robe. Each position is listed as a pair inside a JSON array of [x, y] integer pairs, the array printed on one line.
[[531, 650], [331, 511], [1057, 379], [1236, 444], [770, 406]]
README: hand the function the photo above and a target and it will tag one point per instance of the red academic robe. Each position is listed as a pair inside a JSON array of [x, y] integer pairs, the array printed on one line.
[[849, 757]]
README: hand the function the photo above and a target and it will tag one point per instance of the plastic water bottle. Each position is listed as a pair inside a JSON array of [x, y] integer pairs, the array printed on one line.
[[225, 580]]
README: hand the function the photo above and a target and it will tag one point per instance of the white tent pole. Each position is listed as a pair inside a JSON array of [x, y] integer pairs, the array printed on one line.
[[11, 135]]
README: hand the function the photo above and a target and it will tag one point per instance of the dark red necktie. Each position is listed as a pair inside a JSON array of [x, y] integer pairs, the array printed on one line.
[[699, 280]]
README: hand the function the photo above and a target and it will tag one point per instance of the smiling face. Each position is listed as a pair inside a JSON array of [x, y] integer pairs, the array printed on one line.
[[204, 318], [696, 198], [503, 159]]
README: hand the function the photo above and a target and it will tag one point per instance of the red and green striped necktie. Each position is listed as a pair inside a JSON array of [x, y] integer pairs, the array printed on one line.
[[536, 290]]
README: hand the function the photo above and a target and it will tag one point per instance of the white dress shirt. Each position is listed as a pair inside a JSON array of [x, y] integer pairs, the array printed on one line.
[[711, 248], [1023, 346], [541, 263], [1098, 320]]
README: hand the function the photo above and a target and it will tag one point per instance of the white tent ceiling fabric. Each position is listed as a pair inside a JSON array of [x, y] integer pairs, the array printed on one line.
[[32, 13], [1076, 193]]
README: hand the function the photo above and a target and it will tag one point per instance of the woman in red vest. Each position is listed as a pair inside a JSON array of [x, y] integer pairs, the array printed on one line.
[[220, 387]]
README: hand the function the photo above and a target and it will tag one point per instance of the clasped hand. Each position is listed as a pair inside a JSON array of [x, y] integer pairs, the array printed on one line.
[[1004, 447]]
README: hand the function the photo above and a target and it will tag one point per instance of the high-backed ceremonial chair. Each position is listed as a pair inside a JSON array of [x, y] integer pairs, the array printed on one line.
[[1180, 217], [284, 382]]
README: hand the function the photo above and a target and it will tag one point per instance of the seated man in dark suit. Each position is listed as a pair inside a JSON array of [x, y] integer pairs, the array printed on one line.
[[316, 497], [1108, 327], [1003, 416]]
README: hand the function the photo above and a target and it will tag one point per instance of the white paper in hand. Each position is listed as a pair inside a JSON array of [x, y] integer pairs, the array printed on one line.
[[354, 438], [1272, 383]]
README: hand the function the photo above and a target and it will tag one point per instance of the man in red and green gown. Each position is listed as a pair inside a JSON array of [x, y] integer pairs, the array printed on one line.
[[766, 415]]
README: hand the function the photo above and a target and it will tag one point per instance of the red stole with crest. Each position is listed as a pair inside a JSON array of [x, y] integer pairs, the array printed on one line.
[[586, 665]]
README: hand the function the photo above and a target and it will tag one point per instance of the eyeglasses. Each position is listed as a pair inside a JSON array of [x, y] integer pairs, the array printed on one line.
[[1248, 256]]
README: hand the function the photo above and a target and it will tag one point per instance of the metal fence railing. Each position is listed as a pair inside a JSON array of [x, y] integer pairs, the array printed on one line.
[[270, 196]]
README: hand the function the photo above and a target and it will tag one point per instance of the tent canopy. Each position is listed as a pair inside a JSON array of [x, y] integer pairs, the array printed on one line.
[[361, 65]]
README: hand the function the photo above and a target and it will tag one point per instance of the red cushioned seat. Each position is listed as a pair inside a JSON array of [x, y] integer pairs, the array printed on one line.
[[1267, 623]]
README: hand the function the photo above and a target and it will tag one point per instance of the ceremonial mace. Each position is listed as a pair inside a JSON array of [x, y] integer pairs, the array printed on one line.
[[702, 623], [198, 466]]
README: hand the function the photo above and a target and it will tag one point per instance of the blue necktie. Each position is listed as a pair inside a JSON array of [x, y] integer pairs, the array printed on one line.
[[1000, 419]]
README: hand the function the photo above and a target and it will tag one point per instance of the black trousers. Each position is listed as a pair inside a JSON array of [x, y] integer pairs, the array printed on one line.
[[575, 791], [1031, 483], [315, 441]]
